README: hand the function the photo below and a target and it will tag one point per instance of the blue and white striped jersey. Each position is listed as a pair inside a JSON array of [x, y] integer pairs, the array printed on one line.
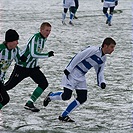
[[92, 56]]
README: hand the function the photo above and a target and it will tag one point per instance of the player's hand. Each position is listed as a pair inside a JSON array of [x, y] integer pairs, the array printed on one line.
[[116, 3], [23, 58], [51, 53], [66, 72], [103, 85]]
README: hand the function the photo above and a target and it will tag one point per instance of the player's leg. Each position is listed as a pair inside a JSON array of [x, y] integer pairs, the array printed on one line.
[[39, 78], [81, 98], [110, 15], [18, 74], [81, 90], [64, 15], [76, 7], [4, 97], [72, 12], [65, 95], [65, 9], [68, 85], [105, 11]]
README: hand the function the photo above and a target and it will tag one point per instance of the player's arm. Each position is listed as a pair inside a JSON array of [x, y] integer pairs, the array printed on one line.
[[100, 76]]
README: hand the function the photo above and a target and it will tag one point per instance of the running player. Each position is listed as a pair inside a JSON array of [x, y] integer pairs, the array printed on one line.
[[28, 65], [9, 51], [74, 76]]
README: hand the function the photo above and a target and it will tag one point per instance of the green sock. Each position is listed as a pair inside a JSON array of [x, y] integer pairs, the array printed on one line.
[[37, 92], [1, 106]]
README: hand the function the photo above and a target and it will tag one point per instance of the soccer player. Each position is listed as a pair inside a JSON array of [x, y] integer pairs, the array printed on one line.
[[9, 51], [109, 4], [28, 65], [74, 76], [68, 4]]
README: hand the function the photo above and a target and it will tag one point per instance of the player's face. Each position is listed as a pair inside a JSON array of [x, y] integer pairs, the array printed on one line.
[[109, 48], [12, 45], [46, 31]]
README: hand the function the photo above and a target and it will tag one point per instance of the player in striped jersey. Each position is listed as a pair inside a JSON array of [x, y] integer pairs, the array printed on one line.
[[109, 4], [9, 51], [28, 65], [74, 76]]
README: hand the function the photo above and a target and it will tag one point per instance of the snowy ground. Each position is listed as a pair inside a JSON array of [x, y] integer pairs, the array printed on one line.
[[106, 110]]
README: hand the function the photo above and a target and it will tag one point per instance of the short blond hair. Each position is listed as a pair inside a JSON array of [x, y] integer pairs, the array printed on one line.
[[45, 24]]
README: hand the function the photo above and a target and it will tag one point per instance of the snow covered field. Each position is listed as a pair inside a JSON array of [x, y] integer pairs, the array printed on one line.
[[106, 110]]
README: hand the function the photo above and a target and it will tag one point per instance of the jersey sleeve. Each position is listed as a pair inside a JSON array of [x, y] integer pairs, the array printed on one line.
[[100, 74], [17, 54]]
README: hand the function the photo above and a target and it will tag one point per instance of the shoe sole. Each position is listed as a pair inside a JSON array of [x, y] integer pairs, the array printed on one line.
[[67, 120], [31, 109], [71, 24], [64, 23]]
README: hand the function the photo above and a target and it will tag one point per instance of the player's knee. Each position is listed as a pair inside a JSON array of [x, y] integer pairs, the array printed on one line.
[[104, 10], [65, 10], [66, 96], [81, 99], [111, 13], [44, 85], [6, 99], [73, 9]]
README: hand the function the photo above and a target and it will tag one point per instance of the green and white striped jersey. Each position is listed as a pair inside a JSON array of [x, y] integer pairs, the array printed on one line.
[[33, 51], [6, 58]]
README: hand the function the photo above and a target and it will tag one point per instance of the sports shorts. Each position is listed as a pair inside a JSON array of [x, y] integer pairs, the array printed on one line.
[[72, 83], [108, 4], [68, 3]]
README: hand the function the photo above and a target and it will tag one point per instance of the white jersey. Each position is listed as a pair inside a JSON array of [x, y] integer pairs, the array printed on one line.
[[68, 3], [84, 61]]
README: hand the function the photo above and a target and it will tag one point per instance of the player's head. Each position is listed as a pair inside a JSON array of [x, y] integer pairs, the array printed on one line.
[[45, 29], [11, 38], [108, 45]]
